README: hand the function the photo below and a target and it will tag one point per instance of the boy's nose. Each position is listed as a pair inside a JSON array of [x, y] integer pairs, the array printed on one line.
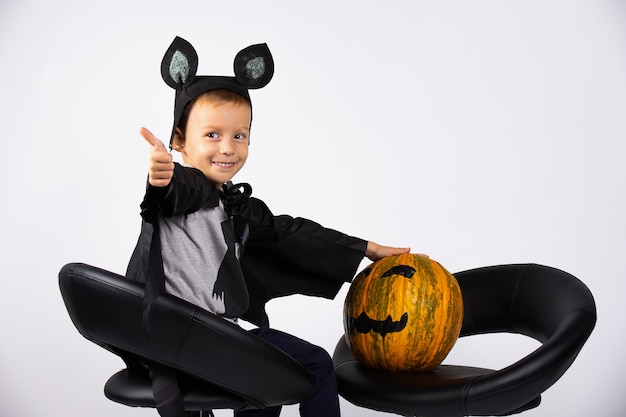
[[227, 147]]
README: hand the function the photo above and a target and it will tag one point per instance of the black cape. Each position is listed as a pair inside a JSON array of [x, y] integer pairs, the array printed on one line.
[[281, 255]]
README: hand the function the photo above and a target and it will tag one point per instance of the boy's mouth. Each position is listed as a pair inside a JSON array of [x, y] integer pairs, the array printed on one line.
[[224, 164]]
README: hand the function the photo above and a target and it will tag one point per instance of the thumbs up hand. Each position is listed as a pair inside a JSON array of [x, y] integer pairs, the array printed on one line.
[[160, 164]]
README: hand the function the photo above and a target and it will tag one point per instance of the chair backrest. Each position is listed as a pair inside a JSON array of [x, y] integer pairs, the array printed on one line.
[[106, 308], [544, 303]]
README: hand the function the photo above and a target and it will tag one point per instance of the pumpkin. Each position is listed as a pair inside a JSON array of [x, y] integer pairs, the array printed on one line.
[[403, 313]]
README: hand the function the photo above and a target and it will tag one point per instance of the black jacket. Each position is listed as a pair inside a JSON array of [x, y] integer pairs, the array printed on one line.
[[281, 255]]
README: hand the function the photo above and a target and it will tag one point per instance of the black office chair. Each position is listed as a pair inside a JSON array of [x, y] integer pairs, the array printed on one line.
[[546, 304], [219, 365]]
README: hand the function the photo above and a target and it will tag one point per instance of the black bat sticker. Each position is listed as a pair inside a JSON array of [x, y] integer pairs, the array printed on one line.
[[403, 270], [364, 324]]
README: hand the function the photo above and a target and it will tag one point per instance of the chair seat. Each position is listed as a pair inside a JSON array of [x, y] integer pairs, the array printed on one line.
[[439, 393], [544, 303], [218, 364], [135, 389]]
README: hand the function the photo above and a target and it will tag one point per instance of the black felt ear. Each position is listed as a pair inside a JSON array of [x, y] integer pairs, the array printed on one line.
[[180, 63], [254, 66]]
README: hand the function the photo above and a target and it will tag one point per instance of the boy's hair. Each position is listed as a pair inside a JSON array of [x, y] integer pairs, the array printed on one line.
[[214, 97]]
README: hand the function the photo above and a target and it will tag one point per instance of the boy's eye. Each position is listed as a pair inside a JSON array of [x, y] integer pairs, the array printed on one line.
[[240, 136], [212, 135]]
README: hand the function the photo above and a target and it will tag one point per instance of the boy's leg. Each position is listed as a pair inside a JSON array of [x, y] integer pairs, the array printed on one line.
[[324, 402]]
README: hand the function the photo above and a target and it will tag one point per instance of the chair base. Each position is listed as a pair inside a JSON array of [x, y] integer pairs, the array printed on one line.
[[203, 413], [135, 389]]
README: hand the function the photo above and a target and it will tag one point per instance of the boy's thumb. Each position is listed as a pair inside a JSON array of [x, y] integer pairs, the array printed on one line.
[[152, 140]]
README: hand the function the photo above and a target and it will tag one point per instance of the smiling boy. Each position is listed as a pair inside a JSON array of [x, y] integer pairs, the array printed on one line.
[[211, 243]]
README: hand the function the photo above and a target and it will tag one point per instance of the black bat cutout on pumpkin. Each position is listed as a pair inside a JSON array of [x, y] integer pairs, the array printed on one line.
[[365, 324], [404, 270]]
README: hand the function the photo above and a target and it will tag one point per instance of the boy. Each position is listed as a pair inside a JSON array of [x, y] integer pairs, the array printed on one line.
[[210, 243]]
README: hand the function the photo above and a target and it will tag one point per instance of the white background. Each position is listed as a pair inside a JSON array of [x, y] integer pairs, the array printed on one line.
[[479, 132]]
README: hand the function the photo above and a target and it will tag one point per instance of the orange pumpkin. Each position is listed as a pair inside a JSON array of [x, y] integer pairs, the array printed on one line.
[[403, 313]]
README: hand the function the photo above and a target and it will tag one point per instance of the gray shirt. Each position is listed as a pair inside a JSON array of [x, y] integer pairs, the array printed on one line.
[[193, 248]]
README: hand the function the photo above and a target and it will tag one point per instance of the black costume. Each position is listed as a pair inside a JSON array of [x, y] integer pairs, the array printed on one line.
[[280, 255]]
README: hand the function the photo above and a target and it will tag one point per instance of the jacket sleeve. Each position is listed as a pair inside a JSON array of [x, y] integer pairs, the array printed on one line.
[[286, 255], [188, 191]]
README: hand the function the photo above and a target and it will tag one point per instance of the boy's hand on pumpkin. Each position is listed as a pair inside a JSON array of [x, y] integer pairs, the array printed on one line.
[[160, 163], [375, 251]]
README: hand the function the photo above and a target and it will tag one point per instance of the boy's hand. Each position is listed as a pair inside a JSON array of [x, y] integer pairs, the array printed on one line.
[[160, 165], [375, 251]]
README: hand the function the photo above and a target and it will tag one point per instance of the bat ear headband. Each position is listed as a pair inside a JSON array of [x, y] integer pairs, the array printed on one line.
[[253, 67]]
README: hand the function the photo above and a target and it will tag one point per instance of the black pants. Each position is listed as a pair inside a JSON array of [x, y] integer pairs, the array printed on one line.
[[324, 402]]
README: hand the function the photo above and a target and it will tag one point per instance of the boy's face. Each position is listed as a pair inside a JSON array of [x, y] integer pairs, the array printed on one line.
[[216, 139]]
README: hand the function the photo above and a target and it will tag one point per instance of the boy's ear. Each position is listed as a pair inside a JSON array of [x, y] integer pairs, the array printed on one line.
[[254, 66], [178, 140]]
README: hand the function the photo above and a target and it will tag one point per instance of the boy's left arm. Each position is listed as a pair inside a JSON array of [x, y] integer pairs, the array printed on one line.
[[302, 254]]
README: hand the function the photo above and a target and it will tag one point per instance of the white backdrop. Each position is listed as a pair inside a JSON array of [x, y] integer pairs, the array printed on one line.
[[481, 133]]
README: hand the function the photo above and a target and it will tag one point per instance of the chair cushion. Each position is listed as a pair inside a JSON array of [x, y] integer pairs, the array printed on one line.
[[438, 393]]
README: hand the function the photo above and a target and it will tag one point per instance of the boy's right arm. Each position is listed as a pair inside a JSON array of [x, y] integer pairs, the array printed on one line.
[[173, 189]]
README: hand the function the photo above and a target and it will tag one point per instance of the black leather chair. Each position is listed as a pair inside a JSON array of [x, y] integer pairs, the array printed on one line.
[[219, 365], [546, 304]]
